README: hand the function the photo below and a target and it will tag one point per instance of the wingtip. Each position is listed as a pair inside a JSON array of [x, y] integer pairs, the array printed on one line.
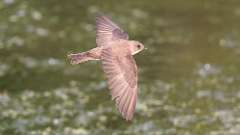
[[128, 118], [100, 15]]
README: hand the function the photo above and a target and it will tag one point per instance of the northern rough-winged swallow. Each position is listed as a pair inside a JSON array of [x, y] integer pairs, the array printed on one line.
[[115, 51]]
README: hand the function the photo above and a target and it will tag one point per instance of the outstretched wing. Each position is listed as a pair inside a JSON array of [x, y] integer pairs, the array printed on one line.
[[108, 31], [122, 78]]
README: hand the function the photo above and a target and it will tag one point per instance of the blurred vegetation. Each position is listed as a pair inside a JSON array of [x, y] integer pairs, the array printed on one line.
[[189, 76]]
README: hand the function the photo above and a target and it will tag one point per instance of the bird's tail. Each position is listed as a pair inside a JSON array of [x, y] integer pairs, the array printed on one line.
[[79, 58]]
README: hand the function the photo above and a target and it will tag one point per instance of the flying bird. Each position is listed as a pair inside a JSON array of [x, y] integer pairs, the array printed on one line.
[[115, 50]]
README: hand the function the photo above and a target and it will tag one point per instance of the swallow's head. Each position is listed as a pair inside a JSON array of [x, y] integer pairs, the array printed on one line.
[[136, 47]]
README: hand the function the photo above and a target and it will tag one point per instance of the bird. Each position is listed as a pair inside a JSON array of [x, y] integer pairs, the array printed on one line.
[[115, 51]]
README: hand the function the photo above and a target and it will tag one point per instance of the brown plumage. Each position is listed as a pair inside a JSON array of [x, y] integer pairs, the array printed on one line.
[[115, 51]]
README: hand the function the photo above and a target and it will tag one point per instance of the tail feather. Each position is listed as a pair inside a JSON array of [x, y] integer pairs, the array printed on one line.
[[78, 58]]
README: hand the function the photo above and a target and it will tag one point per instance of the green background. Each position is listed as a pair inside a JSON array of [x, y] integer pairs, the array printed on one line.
[[189, 78]]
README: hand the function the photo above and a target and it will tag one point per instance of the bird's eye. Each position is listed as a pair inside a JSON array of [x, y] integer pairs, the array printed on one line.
[[138, 46]]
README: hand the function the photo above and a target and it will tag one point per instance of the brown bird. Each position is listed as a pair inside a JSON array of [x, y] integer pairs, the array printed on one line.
[[115, 51]]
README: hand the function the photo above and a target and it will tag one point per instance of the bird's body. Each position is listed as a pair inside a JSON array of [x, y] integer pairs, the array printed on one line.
[[119, 48], [115, 51]]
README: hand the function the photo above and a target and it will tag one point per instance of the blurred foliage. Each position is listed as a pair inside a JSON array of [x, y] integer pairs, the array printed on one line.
[[189, 76]]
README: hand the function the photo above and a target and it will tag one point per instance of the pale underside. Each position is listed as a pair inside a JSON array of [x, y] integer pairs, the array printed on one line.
[[121, 72], [120, 69]]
